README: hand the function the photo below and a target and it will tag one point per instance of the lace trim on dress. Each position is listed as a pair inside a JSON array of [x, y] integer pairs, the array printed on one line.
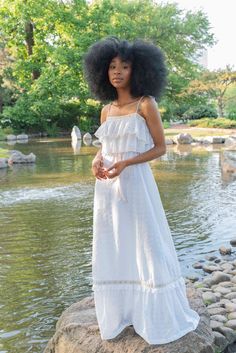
[[140, 282]]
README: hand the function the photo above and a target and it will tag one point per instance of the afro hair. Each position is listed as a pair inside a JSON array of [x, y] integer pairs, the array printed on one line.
[[148, 75]]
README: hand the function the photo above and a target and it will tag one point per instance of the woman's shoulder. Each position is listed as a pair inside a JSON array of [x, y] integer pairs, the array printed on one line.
[[104, 112], [146, 103]]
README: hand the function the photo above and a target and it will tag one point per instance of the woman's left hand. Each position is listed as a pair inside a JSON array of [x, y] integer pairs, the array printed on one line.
[[118, 167]]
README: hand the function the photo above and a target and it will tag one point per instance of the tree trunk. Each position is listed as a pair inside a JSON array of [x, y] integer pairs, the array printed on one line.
[[29, 37], [220, 106]]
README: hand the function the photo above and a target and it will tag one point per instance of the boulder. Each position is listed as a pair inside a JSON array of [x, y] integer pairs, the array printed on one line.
[[230, 142], [77, 331], [3, 163], [19, 157], [11, 137], [228, 162], [169, 141], [87, 139], [22, 137], [75, 133], [184, 138]]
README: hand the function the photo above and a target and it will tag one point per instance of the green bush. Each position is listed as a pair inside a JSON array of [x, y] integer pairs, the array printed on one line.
[[166, 124], [232, 114], [217, 123], [4, 153], [200, 112]]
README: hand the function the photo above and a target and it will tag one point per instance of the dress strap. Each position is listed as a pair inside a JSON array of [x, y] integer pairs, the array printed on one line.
[[138, 104], [108, 109]]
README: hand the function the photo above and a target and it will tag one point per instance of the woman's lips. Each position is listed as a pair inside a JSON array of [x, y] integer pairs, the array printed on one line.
[[117, 79]]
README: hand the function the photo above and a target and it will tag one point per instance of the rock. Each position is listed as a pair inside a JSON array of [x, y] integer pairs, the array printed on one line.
[[87, 135], [216, 311], [218, 277], [215, 324], [169, 141], [233, 280], [228, 333], [3, 163], [224, 301], [231, 324], [230, 307], [228, 162], [224, 251], [216, 305], [193, 278], [218, 139], [231, 348], [226, 284], [210, 268], [230, 142], [210, 257], [197, 265], [213, 139], [22, 137], [220, 340], [222, 290], [233, 242], [184, 138], [227, 266], [75, 133], [230, 295], [77, 331], [209, 297], [11, 137], [232, 316], [96, 143], [220, 318], [18, 157], [217, 260]]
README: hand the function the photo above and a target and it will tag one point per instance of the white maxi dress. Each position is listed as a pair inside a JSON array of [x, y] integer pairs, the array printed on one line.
[[136, 275]]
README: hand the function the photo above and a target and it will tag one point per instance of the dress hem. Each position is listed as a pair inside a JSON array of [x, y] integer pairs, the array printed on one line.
[[154, 342]]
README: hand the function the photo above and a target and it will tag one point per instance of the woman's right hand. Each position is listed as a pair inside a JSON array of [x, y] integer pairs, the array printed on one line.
[[97, 168]]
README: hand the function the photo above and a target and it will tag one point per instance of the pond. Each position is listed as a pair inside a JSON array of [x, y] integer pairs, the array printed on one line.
[[46, 228]]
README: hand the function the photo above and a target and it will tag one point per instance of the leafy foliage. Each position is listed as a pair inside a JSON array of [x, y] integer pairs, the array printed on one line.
[[44, 44], [199, 112], [217, 123]]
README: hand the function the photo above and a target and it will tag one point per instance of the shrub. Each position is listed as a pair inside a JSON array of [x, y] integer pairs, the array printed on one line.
[[200, 112], [217, 123]]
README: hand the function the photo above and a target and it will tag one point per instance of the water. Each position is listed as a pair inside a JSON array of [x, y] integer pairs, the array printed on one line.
[[46, 229]]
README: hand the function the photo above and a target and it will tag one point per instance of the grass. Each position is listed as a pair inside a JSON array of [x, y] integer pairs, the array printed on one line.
[[4, 153], [222, 123]]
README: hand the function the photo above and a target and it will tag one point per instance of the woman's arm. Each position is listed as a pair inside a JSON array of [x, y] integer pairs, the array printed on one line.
[[103, 115], [151, 113]]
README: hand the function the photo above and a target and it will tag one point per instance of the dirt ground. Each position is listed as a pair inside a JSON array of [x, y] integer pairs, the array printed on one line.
[[198, 131]]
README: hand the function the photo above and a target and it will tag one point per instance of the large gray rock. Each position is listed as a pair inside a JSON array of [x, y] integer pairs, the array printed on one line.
[[77, 331], [19, 157], [184, 138], [75, 133], [3, 163], [228, 162], [22, 137], [230, 142]]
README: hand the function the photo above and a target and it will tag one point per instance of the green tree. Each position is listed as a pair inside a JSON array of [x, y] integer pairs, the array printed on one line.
[[47, 41]]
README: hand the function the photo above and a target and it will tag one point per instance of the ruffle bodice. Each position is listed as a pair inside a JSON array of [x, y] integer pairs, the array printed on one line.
[[119, 134]]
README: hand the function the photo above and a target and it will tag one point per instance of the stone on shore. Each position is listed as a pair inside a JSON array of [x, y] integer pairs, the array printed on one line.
[[184, 138], [19, 157], [3, 163]]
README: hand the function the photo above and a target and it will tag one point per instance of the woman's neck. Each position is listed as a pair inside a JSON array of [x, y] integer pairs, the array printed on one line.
[[124, 98]]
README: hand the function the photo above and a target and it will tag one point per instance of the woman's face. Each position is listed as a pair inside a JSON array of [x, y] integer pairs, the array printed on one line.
[[119, 72]]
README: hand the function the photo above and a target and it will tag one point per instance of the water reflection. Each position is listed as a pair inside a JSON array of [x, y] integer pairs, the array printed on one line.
[[46, 228]]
